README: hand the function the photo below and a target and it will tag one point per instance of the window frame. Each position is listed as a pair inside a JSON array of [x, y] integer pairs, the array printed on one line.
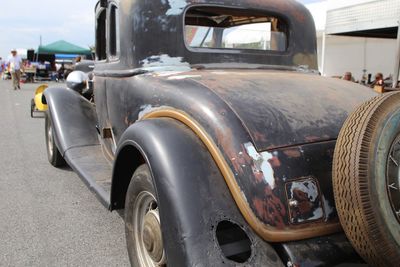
[[113, 35], [287, 51], [101, 12]]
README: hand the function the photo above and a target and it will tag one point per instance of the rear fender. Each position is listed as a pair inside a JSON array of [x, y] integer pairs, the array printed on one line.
[[74, 118], [193, 196]]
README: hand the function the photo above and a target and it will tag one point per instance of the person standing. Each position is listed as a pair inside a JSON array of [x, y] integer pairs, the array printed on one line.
[[14, 63], [1, 67]]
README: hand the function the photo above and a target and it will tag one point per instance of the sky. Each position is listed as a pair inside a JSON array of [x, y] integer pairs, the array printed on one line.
[[23, 22]]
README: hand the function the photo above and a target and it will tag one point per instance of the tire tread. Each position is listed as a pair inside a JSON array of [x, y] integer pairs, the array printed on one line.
[[352, 184]]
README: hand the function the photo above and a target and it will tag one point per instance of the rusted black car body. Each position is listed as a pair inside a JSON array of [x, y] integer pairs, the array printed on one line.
[[235, 135]]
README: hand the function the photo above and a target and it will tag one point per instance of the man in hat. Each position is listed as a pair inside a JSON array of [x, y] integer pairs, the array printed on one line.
[[14, 63]]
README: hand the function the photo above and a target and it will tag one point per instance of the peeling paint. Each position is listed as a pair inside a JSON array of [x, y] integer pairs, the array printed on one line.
[[261, 160], [145, 109], [317, 214], [327, 207], [182, 77], [306, 186], [167, 73], [176, 7], [292, 153], [306, 201]]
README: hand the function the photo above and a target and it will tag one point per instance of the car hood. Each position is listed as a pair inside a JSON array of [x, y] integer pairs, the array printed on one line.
[[282, 108]]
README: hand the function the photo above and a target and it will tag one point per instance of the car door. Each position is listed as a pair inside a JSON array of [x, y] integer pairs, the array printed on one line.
[[100, 80]]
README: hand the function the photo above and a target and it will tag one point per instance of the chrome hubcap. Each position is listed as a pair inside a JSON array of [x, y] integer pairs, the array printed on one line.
[[393, 177], [152, 237], [147, 231]]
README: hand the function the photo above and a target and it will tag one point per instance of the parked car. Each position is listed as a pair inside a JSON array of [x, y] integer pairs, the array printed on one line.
[[212, 129]]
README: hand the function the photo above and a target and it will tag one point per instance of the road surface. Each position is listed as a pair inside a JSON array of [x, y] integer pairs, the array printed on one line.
[[47, 216]]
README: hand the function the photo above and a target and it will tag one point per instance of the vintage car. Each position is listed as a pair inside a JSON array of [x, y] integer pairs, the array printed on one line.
[[212, 129]]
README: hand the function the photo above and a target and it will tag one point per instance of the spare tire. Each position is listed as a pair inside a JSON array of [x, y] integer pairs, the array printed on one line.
[[366, 179]]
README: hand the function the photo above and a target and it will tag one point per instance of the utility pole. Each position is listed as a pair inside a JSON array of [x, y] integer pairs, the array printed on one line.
[[323, 52]]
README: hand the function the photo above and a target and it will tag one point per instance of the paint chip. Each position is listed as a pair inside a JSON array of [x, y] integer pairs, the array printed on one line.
[[176, 7]]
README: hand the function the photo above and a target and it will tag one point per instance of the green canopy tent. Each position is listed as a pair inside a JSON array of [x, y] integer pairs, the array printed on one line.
[[49, 52], [63, 47]]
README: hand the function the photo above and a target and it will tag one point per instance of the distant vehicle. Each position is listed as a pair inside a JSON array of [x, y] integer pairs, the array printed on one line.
[[219, 144]]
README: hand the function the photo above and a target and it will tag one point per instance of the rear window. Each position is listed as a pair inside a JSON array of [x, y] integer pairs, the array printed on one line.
[[228, 28]]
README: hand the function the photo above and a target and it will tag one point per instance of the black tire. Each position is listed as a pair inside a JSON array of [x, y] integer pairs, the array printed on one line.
[[32, 107], [366, 160], [53, 154], [136, 211]]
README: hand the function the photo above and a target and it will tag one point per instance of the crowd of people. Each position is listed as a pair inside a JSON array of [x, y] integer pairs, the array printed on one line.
[[378, 79], [14, 66]]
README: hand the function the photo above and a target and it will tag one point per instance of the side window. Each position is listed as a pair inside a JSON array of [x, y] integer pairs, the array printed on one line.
[[114, 32], [101, 35]]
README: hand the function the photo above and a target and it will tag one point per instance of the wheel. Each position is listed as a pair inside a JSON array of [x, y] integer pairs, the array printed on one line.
[[142, 221], [366, 179], [32, 107], [54, 156]]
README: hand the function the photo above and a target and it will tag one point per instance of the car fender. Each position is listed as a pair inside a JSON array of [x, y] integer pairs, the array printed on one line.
[[193, 197], [74, 118]]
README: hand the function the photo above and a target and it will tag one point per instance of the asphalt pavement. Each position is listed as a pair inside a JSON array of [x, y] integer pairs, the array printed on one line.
[[48, 217]]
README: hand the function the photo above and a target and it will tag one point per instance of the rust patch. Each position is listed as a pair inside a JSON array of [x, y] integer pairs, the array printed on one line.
[[312, 138], [267, 204], [258, 175], [292, 153], [305, 203], [270, 209], [263, 207], [259, 137], [126, 120], [274, 162], [225, 140]]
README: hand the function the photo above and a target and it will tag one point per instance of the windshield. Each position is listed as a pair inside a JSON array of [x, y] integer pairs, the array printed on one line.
[[221, 28]]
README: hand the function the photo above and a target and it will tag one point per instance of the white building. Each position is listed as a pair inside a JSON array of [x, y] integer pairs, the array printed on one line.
[[340, 20]]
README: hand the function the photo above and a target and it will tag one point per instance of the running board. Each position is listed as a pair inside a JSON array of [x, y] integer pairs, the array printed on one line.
[[91, 166]]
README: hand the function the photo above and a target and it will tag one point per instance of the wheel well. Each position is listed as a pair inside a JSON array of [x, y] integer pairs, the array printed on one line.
[[128, 160]]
